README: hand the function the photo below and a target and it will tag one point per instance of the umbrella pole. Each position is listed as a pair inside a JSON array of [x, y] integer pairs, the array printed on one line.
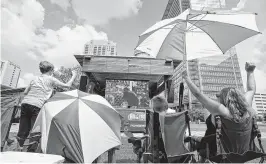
[[185, 65]]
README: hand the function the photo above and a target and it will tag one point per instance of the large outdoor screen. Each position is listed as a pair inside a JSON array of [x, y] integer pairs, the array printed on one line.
[[124, 94]]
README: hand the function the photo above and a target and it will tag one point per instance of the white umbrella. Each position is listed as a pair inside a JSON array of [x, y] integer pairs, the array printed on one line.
[[197, 34]]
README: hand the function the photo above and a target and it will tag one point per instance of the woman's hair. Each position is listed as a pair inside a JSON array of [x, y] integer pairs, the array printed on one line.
[[235, 101], [46, 66]]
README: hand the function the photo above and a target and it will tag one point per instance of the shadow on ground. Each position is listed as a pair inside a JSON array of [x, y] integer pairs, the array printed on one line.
[[124, 155]]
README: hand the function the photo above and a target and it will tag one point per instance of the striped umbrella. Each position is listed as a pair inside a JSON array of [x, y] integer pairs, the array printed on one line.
[[78, 126]]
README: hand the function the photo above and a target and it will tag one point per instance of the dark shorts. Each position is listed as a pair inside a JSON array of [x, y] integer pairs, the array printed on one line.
[[28, 117]]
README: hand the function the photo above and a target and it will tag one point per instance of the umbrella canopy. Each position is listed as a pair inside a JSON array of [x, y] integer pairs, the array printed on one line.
[[78, 126], [197, 34]]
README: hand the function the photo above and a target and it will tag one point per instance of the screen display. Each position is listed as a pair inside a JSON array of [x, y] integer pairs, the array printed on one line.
[[124, 93]]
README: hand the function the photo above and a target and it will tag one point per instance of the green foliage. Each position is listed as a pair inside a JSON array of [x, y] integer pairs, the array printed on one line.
[[196, 114], [65, 75], [260, 118]]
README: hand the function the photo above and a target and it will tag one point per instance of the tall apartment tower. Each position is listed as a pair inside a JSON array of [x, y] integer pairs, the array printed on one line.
[[100, 48], [210, 74], [176, 7], [259, 103], [10, 73]]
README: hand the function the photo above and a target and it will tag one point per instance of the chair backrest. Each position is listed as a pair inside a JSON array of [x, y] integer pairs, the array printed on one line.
[[173, 128], [236, 142], [236, 137]]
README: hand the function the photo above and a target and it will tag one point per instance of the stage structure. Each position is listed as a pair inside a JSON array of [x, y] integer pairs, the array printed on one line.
[[129, 83], [102, 73]]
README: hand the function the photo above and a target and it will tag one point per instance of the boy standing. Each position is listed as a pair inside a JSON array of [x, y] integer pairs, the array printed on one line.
[[36, 94]]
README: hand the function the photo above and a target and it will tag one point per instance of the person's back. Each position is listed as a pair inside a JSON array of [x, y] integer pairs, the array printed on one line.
[[235, 110], [236, 136], [41, 90]]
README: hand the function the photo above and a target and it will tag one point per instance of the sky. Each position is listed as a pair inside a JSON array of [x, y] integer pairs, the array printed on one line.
[[55, 30]]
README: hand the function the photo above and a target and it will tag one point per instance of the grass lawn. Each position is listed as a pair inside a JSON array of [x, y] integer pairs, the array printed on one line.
[[125, 154]]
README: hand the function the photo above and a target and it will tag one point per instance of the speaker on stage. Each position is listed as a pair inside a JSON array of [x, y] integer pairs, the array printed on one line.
[[83, 83], [171, 92]]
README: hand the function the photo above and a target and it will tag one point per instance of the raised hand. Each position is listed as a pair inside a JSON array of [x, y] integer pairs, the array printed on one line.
[[74, 72], [250, 67], [184, 74]]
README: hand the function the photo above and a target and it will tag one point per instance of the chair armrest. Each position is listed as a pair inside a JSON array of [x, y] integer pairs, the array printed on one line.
[[31, 143], [209, 138], [192, 138], [136, 139], [37, 135], [117, 148]]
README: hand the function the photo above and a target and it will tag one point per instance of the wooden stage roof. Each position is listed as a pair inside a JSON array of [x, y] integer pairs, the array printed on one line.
[[126, 68]]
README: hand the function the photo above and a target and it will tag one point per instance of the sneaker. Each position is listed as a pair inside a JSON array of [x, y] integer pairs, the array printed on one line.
[[9, 141], [19, 148]]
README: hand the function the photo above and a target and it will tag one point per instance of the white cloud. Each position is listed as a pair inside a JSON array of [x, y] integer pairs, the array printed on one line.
[[32, 55], [68, 20], [24, 37], [26, 79], [21, 83], [64, 4], [97, 12], [60, 46], [256, 54], [240, 5], [260, 51], [260, 78], [68, 42], [20, 22]]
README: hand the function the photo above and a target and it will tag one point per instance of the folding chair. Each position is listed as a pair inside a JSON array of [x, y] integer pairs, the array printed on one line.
[[173, 128], [141, 144], [164, 139], [170, 146], [224, 154]]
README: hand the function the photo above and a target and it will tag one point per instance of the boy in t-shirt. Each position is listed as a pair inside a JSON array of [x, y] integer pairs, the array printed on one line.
[[36, 94]]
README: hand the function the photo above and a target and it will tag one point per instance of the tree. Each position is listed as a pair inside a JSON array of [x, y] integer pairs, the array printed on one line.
[[65, 74], [196, 114], [259, 118]]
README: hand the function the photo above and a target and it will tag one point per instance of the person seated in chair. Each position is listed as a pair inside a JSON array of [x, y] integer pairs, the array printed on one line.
[[160, 105], [235, 110]]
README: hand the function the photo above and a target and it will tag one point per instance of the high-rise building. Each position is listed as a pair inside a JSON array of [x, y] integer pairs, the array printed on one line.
[[259, 103], [10, 73], [211, 75], [207, 4], [100, 48], [176, 7]]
